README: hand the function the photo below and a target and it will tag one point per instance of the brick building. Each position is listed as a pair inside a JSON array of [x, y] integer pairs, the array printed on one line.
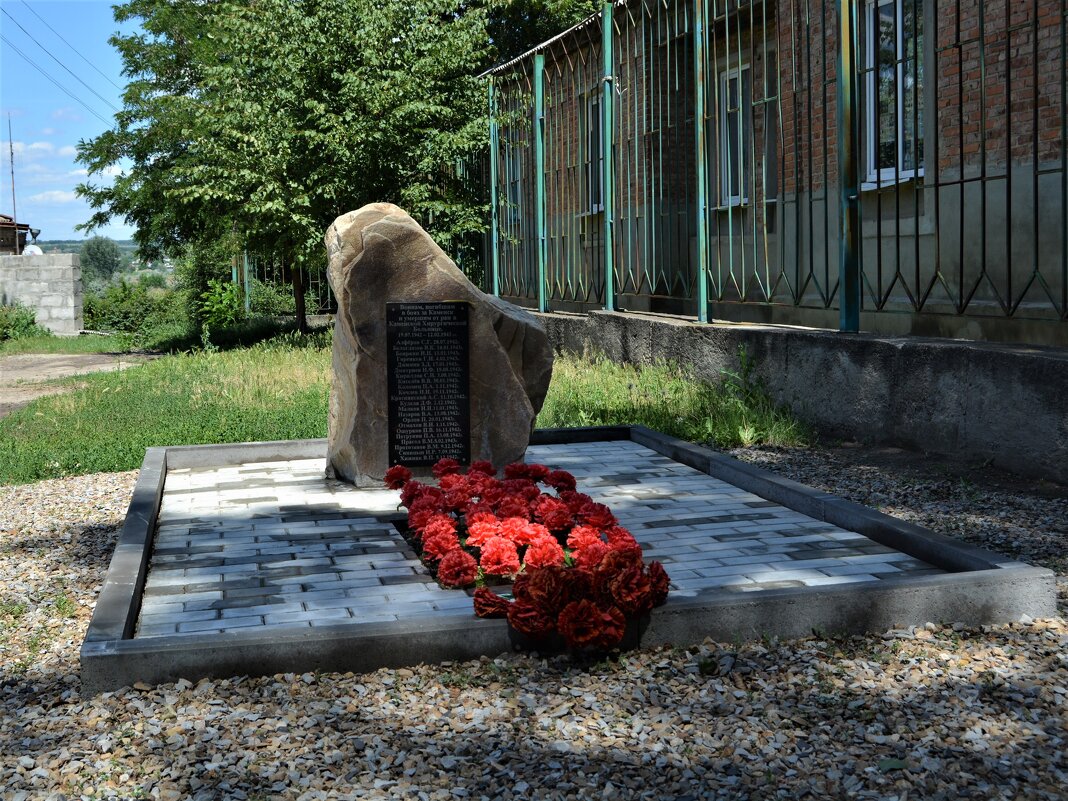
[[723, 115]]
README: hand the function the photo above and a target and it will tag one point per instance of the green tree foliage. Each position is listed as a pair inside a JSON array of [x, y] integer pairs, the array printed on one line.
[[518, 25], [274, 116], [100, 258]]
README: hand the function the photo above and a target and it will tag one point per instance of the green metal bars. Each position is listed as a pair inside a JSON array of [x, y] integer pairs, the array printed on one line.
[[866, 163]]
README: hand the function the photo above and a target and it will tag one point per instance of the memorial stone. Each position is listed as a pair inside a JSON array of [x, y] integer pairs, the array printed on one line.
[[399, 355]]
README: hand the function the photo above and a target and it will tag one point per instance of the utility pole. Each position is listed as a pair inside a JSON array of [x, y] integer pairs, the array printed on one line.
[[14, 214]]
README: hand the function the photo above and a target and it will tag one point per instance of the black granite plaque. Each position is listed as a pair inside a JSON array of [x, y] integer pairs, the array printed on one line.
[[427, 362]]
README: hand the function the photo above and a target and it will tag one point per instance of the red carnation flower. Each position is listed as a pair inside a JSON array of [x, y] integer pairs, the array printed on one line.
[[553, 513], [519, 586], [515, 529], [436, 547], [482, 466], [513, 506], [451, 481], [476, 512], [537, 472], [561, 481], [397, 476], [544, 552], [445, 467], [478, 534], [618, 560], [632, 591], [597, 515], [620, 539], [457, 499], [439, 525], [583, 624], [458, 568], [421, 515], [500, 557], [582, 537], [528, 619], [491, 491], [659, 581], [591, 555], [411, 492], [490, 604]]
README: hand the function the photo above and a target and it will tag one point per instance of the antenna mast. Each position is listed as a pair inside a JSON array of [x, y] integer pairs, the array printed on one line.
[[14, 214]]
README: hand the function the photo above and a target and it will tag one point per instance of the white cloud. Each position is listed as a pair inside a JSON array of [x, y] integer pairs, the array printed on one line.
[[66, 113], [68, 151], [82, 173], [54, 196], [41, 147], [48, 131]]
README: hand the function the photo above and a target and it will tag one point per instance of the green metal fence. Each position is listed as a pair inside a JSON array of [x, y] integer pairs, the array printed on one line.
[[702, 157]]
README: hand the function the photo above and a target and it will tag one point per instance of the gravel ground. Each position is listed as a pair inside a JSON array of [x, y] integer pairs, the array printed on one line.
[[936, 712]]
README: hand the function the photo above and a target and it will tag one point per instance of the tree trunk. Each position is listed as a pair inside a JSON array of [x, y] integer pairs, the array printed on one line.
[[298, 298]]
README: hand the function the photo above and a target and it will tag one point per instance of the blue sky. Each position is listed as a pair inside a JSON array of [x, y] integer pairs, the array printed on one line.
[[46, 122]]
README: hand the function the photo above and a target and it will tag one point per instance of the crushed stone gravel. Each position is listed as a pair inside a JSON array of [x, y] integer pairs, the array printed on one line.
[[932, 712]]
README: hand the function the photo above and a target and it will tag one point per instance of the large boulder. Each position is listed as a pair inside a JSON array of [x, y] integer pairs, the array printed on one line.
[[380, 255]]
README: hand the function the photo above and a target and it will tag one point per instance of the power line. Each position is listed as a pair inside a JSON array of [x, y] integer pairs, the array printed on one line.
[[53, 80], [72, 47], [64, 66]]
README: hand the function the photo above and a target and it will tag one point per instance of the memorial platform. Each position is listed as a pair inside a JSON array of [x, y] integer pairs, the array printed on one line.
[[246, 559]]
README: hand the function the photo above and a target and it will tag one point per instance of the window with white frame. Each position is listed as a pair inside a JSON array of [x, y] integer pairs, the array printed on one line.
[[594, 154], [893, 90], [735, 135]]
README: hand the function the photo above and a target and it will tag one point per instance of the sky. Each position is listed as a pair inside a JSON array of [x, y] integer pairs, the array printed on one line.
[[47, 122]]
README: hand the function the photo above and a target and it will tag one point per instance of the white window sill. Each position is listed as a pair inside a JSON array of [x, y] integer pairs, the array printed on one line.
[[889, 182]]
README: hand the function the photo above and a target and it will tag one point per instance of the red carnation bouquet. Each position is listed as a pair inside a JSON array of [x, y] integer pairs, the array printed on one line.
[[576, 572]]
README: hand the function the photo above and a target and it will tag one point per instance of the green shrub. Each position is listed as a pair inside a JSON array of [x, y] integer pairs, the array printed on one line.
[[152, 280], [120, 307], [270, 299], [18, 321], [221, 305]]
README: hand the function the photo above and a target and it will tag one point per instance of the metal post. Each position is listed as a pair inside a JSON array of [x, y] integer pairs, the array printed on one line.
[[539, 171], [849, 198], [248, 291], [494, 150], [607, 190], [701, 159]]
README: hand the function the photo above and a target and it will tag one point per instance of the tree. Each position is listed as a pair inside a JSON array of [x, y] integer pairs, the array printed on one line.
[[100, 258], [274, 116], [516, 26]]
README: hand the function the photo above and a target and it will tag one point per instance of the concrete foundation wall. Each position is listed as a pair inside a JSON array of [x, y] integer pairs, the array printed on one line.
[[1002, 403], [50, 284]]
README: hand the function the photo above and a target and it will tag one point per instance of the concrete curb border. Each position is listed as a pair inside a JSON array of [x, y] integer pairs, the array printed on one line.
[[981, 587]]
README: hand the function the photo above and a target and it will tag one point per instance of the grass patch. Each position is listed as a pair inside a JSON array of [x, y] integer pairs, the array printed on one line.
[[274, 390], [279, 389], [90, 343], [736, 412]]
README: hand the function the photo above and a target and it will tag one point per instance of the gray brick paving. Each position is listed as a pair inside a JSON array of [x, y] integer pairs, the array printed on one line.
[[277, 544]]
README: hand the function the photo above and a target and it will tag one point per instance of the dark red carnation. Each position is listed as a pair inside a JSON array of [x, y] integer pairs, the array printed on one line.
[[451, 481], [482, 466], [632, 591], [575, 500], [515, 470], [458, 568], [549, 588], [397, 476], [411, 492], [659, 581], [519, 586], [530, 619], [622, 540], [445, 467], [597, 515], [586, 625], [618, 560], [457, 499], [561, 481], [522, 487], [553, 513], [489, 603], [537, 472], [491, 491], [513, 506]]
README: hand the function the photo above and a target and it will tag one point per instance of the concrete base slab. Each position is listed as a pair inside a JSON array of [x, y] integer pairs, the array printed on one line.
[[245, 559]]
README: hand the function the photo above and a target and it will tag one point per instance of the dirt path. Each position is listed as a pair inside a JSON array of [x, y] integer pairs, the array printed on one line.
[[24, 377]]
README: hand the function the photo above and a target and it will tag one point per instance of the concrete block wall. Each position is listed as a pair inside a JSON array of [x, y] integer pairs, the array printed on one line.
[[999, 403], [50, 284]]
